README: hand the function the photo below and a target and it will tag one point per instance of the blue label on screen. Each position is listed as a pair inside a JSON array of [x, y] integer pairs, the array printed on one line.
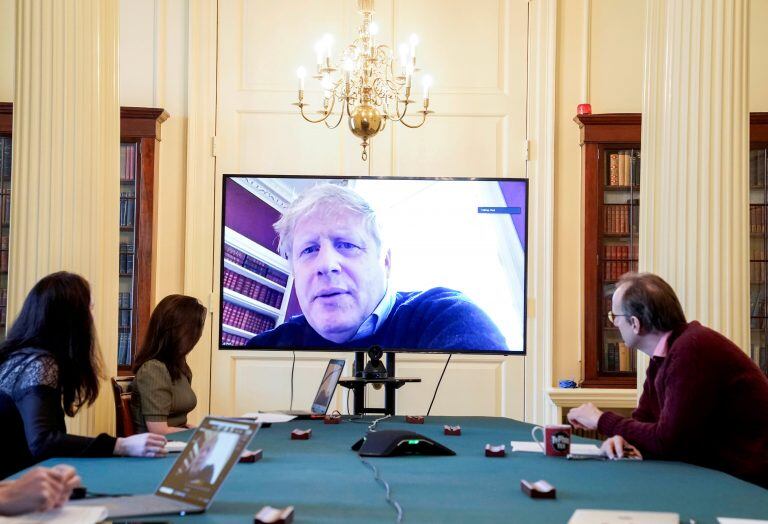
[[500, 210]]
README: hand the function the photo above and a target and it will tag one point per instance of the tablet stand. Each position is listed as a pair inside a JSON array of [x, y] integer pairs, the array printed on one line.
[[391, 383]]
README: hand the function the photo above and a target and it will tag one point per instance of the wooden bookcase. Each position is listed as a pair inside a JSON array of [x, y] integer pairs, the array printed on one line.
[[610, 152], [758, 238], [611, 223], [139, 137]]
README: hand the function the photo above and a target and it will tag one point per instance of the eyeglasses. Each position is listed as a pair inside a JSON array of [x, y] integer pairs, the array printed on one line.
[[612, 316]]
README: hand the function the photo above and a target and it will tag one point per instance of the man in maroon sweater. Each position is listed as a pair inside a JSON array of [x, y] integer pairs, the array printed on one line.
[[704, 401]]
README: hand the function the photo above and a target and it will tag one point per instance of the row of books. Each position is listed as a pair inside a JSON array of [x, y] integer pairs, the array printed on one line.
[[760, 357], [124, 309], [126, 258], [245, 319], [3, 253], [250, 288], [5, 206], [124, 346], [621, 218], [5, 157], [253, 264], [3, 305], [127, 209], [624, 168], [758, 171], [758, 267], [618, 357], [228, 339], [757, 215], [127, 162], [615, 268]]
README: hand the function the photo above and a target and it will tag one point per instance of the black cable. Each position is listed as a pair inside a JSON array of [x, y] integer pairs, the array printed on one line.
[[293, 365], [395, 504], [438, 383]]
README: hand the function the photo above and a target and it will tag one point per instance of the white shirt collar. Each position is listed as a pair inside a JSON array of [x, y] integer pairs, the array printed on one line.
[[375, 320]]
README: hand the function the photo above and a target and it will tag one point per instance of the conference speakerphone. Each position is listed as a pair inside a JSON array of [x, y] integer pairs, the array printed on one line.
[[395, 442]]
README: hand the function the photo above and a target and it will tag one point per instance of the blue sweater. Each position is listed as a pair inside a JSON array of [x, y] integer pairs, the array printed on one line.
[[436, 319]]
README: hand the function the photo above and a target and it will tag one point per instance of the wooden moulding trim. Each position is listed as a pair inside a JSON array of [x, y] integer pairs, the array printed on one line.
[[609, 128], [758, 128], [141, 122], [6, 117]]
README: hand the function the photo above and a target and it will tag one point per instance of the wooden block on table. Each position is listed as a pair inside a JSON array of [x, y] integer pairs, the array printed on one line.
[[301, 434]]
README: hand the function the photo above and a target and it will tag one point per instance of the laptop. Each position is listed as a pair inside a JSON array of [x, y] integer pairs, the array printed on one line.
[[194, 478], [324, 392]]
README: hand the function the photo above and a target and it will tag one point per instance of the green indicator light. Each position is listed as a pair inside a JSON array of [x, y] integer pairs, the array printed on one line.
[[414, 441]]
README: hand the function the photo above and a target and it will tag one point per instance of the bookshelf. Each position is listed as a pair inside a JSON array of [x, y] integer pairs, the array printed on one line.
[[256, 287], [610, 151], [758, 238], [611, 239], [6, 125], [139, 136]]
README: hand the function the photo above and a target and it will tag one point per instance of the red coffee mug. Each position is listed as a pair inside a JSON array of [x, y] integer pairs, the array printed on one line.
[[557, 439]]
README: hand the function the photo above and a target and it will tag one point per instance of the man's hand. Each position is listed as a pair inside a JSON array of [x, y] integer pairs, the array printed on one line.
[[584, 416], [38, 490], [616, 447]]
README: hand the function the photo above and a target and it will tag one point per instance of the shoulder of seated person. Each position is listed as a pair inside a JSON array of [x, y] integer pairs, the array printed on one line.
[[151, 366]]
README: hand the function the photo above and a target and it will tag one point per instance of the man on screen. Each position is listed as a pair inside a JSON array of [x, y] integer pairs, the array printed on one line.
[[333, 242]]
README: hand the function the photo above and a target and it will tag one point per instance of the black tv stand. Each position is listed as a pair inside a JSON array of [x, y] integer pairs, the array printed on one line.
[[391, 383]]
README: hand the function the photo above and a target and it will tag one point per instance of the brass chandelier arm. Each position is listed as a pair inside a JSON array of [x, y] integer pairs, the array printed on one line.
[[341, 115], [323, 119]]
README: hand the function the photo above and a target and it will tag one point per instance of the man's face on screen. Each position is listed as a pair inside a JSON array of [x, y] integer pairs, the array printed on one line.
[[339, 273]]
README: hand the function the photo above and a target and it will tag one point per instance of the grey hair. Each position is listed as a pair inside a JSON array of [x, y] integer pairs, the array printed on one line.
[[326, 198]]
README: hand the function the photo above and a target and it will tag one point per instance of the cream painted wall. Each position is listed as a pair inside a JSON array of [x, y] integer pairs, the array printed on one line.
[[153, 72], [611, 80], [758, 56], [7, 47]]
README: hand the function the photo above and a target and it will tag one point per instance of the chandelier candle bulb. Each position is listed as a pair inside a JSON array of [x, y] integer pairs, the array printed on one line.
[[414, 41], [301, 73], [404, 57]]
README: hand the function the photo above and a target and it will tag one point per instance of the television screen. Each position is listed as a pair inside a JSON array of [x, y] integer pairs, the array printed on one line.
[[427, 265]]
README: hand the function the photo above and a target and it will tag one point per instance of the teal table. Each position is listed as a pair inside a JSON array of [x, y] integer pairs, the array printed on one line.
[[327, 482]]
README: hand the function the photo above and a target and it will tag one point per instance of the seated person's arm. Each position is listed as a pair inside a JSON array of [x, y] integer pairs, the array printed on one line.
[[162, 428], [154, 383], [39, 402], [687, 399]]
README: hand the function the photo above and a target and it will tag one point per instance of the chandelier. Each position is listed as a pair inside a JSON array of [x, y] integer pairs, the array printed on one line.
[[367, 83]]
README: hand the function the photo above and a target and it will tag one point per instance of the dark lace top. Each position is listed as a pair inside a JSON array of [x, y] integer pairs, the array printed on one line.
[[33, 417]]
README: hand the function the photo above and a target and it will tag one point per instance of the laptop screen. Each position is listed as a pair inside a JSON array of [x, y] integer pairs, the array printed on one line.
[[327, 386], [211, 452]]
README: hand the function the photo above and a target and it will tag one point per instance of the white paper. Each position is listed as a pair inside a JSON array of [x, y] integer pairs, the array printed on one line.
[[731, 520], [522, 445], [269, 418], [619, 516], [66, 515], [175, 446], [577, 449]]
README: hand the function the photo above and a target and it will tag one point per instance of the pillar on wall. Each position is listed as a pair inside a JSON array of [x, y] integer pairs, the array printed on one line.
[[66, 136], [694, 211]]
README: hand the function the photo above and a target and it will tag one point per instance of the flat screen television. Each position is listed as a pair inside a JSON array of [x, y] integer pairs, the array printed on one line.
[[432, 265]]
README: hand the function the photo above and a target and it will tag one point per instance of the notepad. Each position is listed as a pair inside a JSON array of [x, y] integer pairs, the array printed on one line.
[[67, 515], [175, 446], [576, 449], [269, 418], [602, 516]]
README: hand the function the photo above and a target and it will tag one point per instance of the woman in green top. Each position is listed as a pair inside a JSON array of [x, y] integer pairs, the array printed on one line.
[[162, 391]]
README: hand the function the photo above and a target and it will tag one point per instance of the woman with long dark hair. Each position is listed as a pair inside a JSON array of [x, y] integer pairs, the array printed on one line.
[[50, 366], [162, 391]]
